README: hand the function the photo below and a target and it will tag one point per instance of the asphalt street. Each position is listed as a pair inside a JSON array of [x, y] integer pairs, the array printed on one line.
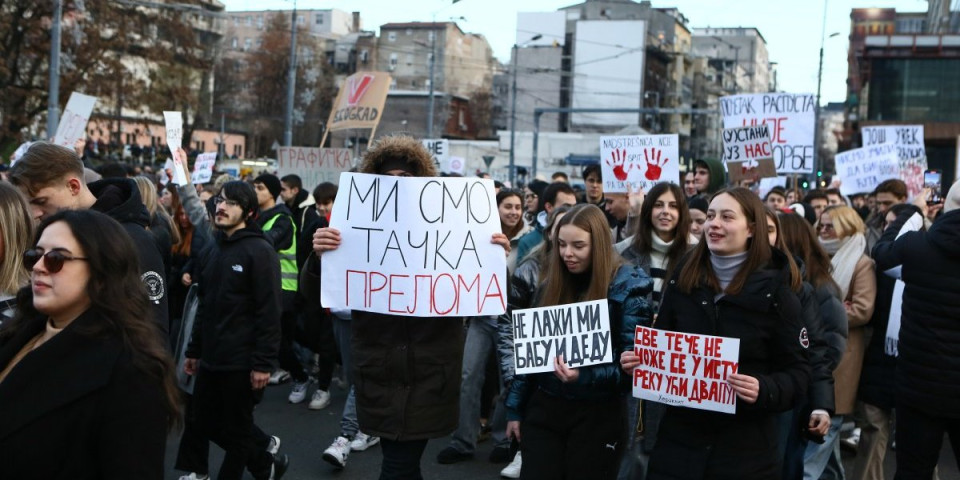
[[306, 433]]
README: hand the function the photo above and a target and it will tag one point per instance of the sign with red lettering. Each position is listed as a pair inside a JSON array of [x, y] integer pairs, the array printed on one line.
[[314, 165], [686, 369], [578, 332], [359, 104], [640, 161], [416, 247], [791, 121], [748, 153]]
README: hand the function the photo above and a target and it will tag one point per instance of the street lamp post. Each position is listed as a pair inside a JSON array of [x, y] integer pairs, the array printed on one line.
[[291, 81], [433, 61], [53, 95], [513, 109], [817, 133]]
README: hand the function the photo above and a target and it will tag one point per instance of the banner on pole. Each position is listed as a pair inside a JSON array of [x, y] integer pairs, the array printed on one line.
[[640, 161], [578, 332], [73, 122], [791, 118], [415, 246], [359, 104], [314, 165], [686, 369]]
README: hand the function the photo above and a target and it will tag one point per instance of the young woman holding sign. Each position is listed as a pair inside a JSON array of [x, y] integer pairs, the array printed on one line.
[[733, 285], [571, 422]]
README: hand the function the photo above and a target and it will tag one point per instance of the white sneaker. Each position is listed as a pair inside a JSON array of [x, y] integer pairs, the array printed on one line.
[[320, 400], [336, 454], [299, 392], [851, 441], [513, 469], [278, 377], [194, 476], [363, 441], [274, 446]]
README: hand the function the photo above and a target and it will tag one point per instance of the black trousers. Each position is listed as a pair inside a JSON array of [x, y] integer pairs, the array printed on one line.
[[288, 333], [919, 440], [225, 402], [401, 460], [318, 337], [194, 451], [572, 439]]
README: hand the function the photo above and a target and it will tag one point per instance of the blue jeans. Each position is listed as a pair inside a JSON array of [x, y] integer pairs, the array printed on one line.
[[343, 333], [480, 343], [824, 457]]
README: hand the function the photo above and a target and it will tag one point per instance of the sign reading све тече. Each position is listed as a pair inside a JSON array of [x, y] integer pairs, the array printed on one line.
[[640, 161], [791, 121], [686, 369], [862, 169], [415, 246], [579, 332], [314, 165]]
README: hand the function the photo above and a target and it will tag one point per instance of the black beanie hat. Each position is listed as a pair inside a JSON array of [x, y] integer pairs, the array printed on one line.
[[699, 203], [271, 182]]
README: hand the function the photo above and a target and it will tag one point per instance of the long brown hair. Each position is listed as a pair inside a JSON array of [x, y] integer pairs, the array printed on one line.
[[698, 271], [799, 237], [16, 233], [117, 294], [503, 195], [796, 283], [560, 286], [642, 241]]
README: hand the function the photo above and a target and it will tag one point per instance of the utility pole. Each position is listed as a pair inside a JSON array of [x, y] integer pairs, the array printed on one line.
[[433, 61], [53, 95], [513, 110], [223, 137], [291, 81]]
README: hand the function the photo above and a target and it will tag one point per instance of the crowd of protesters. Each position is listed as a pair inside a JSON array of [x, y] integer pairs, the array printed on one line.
[[128, 300]]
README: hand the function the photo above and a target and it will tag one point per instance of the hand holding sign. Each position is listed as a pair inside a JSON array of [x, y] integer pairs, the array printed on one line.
[[563, 372], [747, 387], [174, 129]]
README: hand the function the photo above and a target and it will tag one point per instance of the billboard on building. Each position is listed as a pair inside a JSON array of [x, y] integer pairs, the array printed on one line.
[[608, 70]]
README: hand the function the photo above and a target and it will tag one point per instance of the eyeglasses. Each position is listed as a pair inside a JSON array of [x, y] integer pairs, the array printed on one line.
[[825, 226], [530, 195], [52, 260], [230, 203]]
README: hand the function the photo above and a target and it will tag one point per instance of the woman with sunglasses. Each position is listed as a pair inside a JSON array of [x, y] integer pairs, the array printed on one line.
[[571, 422], [16, 233], [733, 284], [841, 232], [82, 363]]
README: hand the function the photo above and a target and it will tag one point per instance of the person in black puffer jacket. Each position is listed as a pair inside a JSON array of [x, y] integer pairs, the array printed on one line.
[[734, 285], [928, 369]]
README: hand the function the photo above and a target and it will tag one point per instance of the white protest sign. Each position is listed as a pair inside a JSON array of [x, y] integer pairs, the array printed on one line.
[[791, 120], [767, 184], [173, 124], [73, 122], [686, 369], [640, 161], [579, 332], [860, 170], [892, 340], [19, 152], [907, 138], [314, 165], [440, 149], [203, 168], [415, 247], [747, 153]]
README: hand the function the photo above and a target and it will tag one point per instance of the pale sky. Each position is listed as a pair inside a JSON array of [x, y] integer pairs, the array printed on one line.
[[792, 28]]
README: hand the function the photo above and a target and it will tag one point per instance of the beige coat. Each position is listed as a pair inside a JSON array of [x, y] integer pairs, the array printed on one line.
[[859, 305]]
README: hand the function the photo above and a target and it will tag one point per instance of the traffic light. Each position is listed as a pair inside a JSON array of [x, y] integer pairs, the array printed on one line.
[[806, 184], [819, 173]]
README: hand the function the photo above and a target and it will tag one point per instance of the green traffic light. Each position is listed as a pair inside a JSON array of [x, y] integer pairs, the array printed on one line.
[[819, 173], [806, 185]]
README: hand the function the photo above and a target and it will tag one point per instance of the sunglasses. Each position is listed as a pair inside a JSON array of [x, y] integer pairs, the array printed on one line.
[[52, 260]]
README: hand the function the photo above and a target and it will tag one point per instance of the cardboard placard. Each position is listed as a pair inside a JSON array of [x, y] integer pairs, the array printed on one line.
[[640, 161], [314, 165], [415, 246], [579, 332], [203, 168], [73, 122], [686, 369], [791, 118], [359, 103], [173, 123], [860, 170]]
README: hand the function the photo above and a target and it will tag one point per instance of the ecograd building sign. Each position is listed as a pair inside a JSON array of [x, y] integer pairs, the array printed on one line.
[[360, 102]]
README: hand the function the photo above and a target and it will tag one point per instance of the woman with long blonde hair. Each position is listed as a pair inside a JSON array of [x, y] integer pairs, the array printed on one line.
[[571, 421], [16, 233]]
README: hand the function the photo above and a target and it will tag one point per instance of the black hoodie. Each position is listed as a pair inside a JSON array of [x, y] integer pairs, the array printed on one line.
[[120, 199]]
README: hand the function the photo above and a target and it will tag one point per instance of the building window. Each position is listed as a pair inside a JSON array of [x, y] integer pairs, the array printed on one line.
[[409, 59], [259, 43], [249, 21], [392, 36], [409, 31], [364, 56], [430, 35], [237, 150], [301, 20], [259, 23], [236, 21], [233, 43], [247, 42], [319, 19], [393, 61]]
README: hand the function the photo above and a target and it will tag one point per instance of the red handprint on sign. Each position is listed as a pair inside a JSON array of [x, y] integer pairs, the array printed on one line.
[[617, 161], [654, 165]]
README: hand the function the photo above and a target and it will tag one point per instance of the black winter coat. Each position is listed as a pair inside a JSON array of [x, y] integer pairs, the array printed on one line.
[[820, 391], [237, 326], [76, 408], [878, 385], [520, 292], [765, 316], [406, 370], [928, 369], [120, 199]]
